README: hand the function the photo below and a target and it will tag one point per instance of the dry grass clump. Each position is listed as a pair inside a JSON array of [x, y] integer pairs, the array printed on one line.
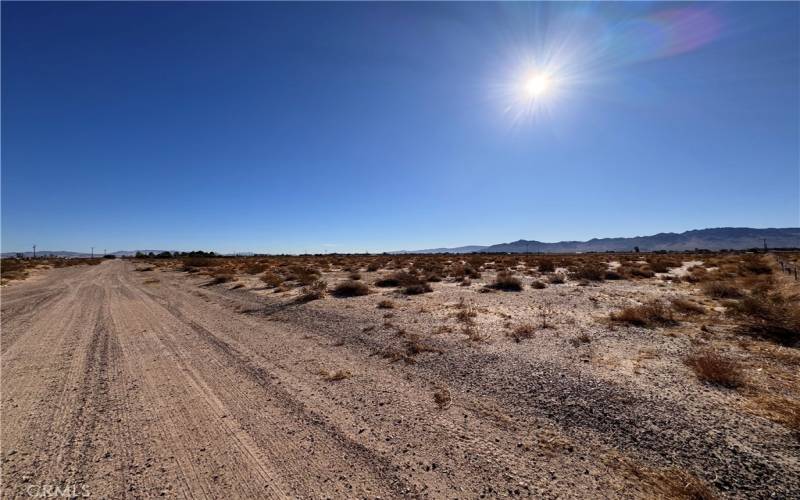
[[507, 282], [466, 312], [754, 264], [314, 291], [336, 375], [220, 278], [522, 332], [386, 304], [13, 269], [678, 484], [199, 262], [589, 270], [538, 285], [714, 369], [686, 306], [302, 274], [649, 314], [350, 288], [415, 345], [460, 270], [442, 398], [17, 269], [399, 278], [556, 279], [355, 276], [417, 288], [663, 264], [472, 333], [255, 268], [546, 266], [412, 284], [721, 290], [271, 279], [637, 271], [782, 409], [772, 316]]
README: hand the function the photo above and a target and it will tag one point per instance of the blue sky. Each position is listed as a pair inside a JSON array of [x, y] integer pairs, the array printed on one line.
[[368, 126]]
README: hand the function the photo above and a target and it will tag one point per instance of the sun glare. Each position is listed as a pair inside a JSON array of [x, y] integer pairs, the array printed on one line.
[[538, 85]]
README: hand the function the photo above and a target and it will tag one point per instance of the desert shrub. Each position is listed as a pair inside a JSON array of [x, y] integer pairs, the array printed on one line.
[[415, 345], [255, 268], [373, 266], [302, 274], [774, 317], [538, 285], [355, 276], [685, 306], [336, 375], [314, 291], [461, 270], [220, 278], [521, 332], [556, 279], [658, 266], [271, 279], [433, 278], [386, 304], [712, 368], [663, 264], [188, 263], [697, 274], [721, 290], [417, 289], [754, 264], [592, 271], [653, 313], [411, 284], [507, 282], [393, 280], [465, 312], [546, 266], [13, 269], [640, 272], [350, 288], [442, 398], [613, 275]]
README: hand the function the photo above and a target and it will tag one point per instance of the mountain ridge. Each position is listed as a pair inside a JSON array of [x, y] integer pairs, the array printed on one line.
[[730, 238]]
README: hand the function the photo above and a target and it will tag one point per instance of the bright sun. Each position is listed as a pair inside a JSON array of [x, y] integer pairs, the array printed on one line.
[[538, 85]]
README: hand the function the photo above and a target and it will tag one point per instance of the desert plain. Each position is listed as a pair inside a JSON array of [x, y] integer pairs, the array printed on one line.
[[386, 376]]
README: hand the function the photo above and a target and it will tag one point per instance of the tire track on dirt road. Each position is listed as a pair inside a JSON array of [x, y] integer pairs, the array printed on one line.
[[313, 457]]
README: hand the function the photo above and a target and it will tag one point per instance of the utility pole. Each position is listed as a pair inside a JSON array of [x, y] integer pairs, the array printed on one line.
[[34, 251], [765, 245], [93, 252]]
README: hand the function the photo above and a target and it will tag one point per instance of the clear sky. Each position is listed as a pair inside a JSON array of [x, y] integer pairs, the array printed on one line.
[[374, 126]]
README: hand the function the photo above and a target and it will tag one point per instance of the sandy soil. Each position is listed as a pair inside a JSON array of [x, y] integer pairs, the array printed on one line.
[[139, 384]]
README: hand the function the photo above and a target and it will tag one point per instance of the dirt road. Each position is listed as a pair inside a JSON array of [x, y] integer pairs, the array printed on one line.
[[131, 384]]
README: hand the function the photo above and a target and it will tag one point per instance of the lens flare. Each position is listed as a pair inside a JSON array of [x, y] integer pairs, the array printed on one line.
[[557, 55]]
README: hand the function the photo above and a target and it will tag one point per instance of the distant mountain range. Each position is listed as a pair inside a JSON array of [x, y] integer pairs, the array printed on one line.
[[733, 238]]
